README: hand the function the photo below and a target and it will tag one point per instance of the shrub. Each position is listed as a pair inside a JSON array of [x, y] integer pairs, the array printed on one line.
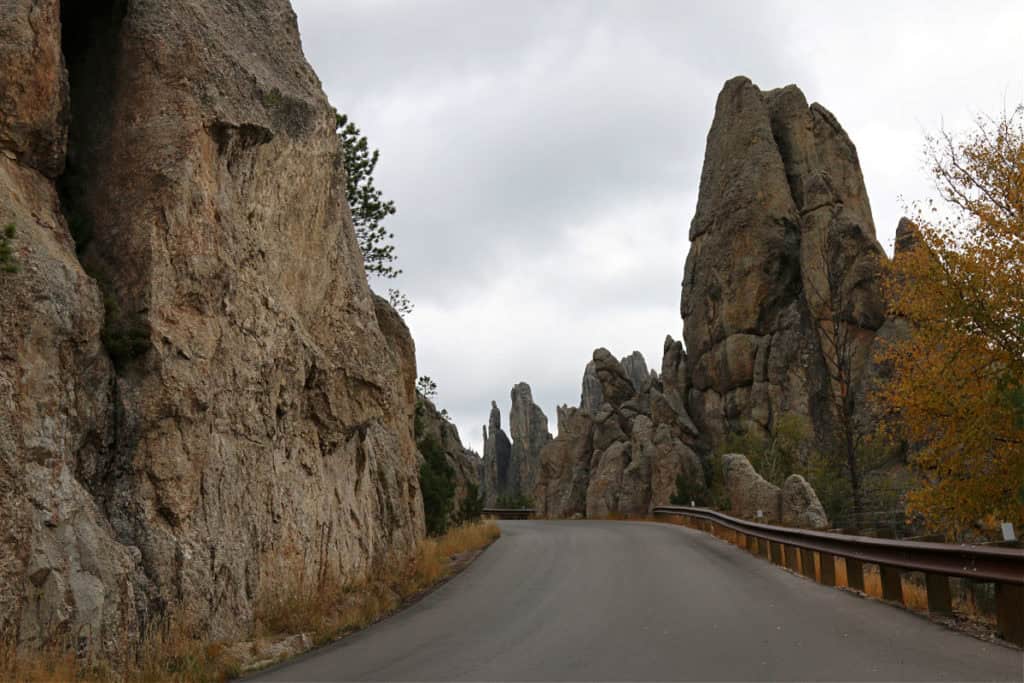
[[8, 263], [437, 482], [471, 507]]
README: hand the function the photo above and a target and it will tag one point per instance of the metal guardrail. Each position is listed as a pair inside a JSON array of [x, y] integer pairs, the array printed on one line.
[[509, 513], [782, 545]]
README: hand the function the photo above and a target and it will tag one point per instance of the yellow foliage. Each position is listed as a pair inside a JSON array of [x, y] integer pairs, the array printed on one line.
[[958, 379]]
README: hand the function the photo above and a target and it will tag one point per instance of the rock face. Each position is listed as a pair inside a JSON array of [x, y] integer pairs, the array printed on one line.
[[466, 464], [782, 238], [206, 397], [529, 427], [495, 479], [624, 456], [511, 467]]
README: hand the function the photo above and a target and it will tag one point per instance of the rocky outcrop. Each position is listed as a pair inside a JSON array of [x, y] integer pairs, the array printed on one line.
[[782, 239], [495, 477], [564, 471], [625, 456], [591, 396], [199, 395], [433, 425], [529, 427], [636, 369], [511, 467]]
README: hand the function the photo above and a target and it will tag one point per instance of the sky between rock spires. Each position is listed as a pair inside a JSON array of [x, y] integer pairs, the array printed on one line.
[[544, 156]]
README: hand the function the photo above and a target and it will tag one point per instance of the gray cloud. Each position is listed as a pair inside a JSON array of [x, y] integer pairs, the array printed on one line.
[[545, 156]]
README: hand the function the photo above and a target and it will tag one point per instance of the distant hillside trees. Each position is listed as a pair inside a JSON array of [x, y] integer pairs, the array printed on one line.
[[958, 378]]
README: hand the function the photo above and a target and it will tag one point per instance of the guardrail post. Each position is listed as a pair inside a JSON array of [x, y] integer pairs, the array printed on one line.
[[828, 568], [892, 584], [1010, 612], [939, 599], [790, 555], [807, 563], [777, 552], [855, 574]]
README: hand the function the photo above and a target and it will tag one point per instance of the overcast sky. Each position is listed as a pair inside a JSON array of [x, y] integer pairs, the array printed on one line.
[[544, 157]]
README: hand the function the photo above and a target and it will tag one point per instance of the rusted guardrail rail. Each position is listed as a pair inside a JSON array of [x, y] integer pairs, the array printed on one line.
[[509, 513], [938, 561]]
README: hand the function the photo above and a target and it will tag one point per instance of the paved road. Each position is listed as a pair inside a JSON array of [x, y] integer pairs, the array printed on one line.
[[603, 601]]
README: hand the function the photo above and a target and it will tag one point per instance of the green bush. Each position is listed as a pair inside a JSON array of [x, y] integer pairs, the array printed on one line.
[[8, 262], [471, 507], [437, 483], [513, 501]]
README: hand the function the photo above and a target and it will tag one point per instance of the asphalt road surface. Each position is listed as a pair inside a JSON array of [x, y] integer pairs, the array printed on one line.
[[617, 601]]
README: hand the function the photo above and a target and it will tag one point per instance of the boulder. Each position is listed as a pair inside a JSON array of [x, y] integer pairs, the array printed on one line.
[[748, 492], [800, 505]]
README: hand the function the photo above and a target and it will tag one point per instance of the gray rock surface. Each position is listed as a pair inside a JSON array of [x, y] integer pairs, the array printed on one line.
[[564, 473], [512, 466], [800, 505], [636, 369], [529, 429], [782, 234], [624, 455], [259, 422], [496, 478], [591, 396], [748, 492]]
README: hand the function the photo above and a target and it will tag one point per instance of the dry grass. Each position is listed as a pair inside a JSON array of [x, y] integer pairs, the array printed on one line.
[[325, 609]]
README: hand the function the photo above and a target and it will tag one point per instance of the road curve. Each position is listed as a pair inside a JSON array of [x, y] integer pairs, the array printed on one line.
[[609, 601]]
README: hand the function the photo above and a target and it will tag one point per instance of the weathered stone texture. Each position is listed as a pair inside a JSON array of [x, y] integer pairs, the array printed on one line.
[[33, 85], [782, 236], [260, 425], [495, 477], [529, 428]]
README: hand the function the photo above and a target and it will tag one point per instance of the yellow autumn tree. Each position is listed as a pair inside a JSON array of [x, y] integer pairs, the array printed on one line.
[[957, 384]]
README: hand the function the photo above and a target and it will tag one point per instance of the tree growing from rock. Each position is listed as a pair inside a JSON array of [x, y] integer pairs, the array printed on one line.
[[958, 377], [368, 206]]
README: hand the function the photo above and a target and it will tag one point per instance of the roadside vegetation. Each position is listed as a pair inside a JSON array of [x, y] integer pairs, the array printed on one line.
[[300, 614], [957, 392]]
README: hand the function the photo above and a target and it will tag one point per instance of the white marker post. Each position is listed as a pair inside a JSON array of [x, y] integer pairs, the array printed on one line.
[[1008, 533]]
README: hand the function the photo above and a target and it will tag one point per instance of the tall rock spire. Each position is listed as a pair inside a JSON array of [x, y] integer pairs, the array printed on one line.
[[782, 238]]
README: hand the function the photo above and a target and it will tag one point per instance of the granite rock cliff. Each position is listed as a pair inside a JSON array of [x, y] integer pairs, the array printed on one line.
[[199, 395]]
